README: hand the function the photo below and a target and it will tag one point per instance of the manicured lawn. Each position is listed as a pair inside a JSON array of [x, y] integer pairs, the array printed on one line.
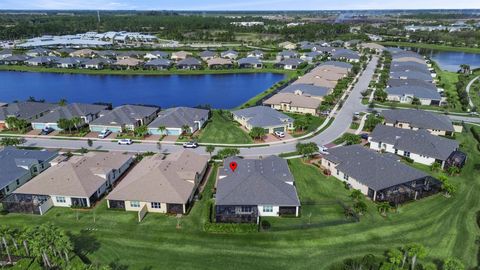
[[221, 129], [313, 122], [446, 226]]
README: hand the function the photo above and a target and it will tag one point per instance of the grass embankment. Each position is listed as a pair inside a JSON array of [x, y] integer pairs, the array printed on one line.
[[139, 71], [446, 226], [431, 46], [312, 123], [221, 128]]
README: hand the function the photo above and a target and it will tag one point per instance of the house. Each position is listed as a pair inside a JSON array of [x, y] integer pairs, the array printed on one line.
[[286, 55], [189, 63], [407, 93], [63, 51], [308, 90], [161, 184], [257, 188], [107, 54], [19, 166], [414, 75], [294, 102], [86, 113], [436, 124], [159, 64], [348, 67], [311, 56], [85, 53], [346, 55], [156, 55], [69, 62], [97, 63], [250, 62], [256, 54], [290, 63], [174, 120], [79, 182], [24, 110], [126, 117], [230, 54], [265, 117], [337, 43], [15, 59], [5, 53], [129, 54], [180, 55], [287, 45], [352, 43], [418, 145], [219, 63], [38, 52], [128, 63], [207, 55], [41, 61], [412, 83], [380, 177]]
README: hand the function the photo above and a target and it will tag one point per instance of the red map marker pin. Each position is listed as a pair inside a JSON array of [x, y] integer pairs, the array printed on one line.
[[233, 166]]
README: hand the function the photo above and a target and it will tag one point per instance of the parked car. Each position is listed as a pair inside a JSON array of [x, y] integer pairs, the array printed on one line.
[[125, 141], [190, 145], [279, 134], [364, 136], [104, 134], [46, 131], [323, 150]]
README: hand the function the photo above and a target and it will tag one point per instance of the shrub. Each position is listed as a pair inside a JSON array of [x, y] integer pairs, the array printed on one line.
[[230, 227], [409, 160], [266, 225]]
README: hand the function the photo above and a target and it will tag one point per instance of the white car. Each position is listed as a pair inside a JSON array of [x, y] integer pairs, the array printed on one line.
[[125, 141], [279, 134], [104, 134], [323, 150], [190, 145]]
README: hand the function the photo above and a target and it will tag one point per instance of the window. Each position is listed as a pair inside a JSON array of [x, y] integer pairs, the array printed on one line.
[[267, 208], [156, 205], [60, 199], [246, 209], [345, 176], [18, 182], [396, 151], [379, 145], [338, 172], [134, 204], [406, 154], [7, 188]]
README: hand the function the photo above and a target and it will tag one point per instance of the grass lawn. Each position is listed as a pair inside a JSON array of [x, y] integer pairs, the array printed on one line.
[[446, 226], [313, 123], [220, 129]]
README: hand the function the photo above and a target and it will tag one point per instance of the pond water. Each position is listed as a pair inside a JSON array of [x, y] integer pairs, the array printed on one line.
[[219, 91], [451, 60]]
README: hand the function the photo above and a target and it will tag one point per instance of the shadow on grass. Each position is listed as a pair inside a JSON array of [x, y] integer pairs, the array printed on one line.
[[84, 243]]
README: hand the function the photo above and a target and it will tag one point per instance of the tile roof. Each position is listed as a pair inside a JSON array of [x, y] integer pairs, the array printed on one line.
[[70, 111]]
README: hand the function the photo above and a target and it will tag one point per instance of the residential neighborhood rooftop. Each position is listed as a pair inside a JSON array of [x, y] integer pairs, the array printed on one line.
[[419, 119]]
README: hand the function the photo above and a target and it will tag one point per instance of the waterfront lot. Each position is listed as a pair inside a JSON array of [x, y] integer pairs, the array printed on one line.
[[446, 226], [221, 128]]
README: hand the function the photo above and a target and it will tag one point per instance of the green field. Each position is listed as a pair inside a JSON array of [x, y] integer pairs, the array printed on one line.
[[313, 122], [446, 226], [220, 128]]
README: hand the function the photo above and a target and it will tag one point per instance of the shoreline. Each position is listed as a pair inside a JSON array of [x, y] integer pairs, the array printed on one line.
[[431, 46]]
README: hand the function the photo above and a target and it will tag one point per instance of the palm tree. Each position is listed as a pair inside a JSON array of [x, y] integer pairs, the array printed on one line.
[[185, 129], [76, 121], [4, 234], [210, 149], [452, 170], [162, 130], [416, 251]]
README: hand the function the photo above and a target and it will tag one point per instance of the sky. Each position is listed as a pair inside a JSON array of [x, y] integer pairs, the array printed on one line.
[[238, 4]]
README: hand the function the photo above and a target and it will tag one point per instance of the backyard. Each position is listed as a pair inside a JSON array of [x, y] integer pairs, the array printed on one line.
[[221, 128], [446, 226]]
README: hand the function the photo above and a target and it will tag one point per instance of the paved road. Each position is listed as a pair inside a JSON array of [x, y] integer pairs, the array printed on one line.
[[470, 102]]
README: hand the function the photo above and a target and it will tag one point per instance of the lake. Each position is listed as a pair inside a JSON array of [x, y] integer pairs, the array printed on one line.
[[224, 91], [451, 60]]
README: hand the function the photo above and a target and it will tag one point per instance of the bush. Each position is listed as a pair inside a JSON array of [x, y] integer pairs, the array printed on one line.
[[266, 225], [230, 227], [409, 160]]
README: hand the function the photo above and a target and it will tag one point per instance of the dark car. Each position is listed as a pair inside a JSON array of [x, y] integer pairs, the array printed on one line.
[[46, 131], [364, 136]]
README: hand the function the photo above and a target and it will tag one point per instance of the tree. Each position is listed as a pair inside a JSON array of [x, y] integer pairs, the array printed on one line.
[[186, 129], [465, 69], [416, 101], [140, 131], [380, 95], [429, 266], [448, 187], [351, 139], [383, 208], [257, 133], [7, 141], [162, 130], [360, 207], [307, 149], [76, 121], [17, 124], [453, 264], [436, 166], [210, 149], [4, 235], [415, 252], [300, 123], [453, 170], [65, 124], [228, 152], [62, 102], [394, 256]]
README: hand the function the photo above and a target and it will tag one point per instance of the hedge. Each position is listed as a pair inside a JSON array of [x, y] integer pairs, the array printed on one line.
[[230, 227]]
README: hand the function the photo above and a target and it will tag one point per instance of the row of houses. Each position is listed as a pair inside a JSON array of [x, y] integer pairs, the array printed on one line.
[[319, 45], [306, 93], [411, 77]]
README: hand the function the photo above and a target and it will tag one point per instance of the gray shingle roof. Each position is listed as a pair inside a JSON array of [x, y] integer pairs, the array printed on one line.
[[249, 60], [70, 111], [16, 57], [377, 171], [412, 83], [345, 53], [25, 110], [11, 160], [257, 182], [190, 61], [337, 64], [415, 141], [178, 117], [287, 53], [412, 66], [420, 92], [159, 62], [207, 54], [124, 115], [419, 119], [291, 61], [309, 89], [71, 60], [411, 75], [262, 116]]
